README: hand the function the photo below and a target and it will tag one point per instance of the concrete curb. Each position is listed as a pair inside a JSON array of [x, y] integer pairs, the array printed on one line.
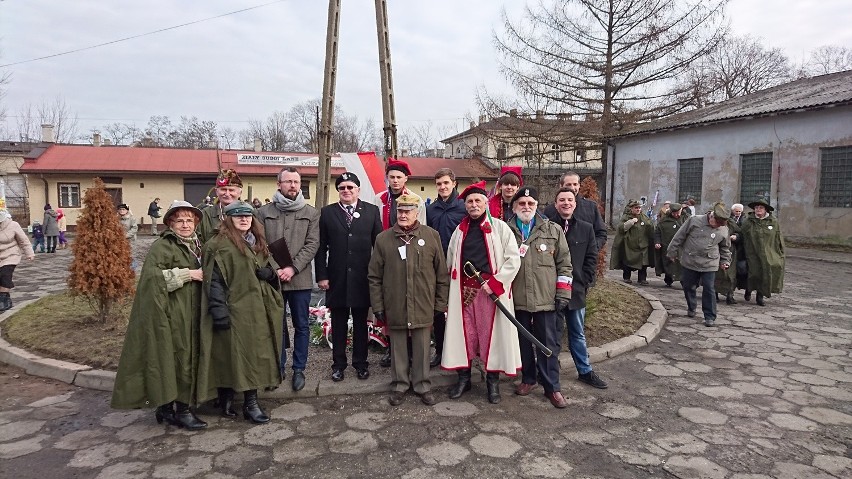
[[102, 380]]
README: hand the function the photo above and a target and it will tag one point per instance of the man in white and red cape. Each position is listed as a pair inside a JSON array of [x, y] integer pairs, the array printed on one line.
[[475, 326]]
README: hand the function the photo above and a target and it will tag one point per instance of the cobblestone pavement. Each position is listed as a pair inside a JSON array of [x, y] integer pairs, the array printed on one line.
[[767, 393]]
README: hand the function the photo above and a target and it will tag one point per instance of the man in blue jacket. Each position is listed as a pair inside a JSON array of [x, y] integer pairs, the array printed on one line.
[[444, 215]]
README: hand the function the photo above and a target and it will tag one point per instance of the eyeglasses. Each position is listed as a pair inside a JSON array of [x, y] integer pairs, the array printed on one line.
[[346, 187]]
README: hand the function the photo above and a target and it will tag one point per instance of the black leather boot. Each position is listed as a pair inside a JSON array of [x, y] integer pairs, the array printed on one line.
[[184, 417], [729, 299], [463, 384], [251, 409], [492, 382], [166, 412], [747, 295], [760, 300], [5, 301], [225, 402]]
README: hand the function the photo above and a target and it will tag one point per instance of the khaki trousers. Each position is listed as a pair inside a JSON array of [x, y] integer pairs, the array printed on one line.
[[419, 371]]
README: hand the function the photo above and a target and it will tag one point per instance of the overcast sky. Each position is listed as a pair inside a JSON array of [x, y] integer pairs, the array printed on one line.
[[249, 64]]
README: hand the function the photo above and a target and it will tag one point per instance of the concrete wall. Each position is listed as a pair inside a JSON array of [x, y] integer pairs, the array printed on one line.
[[648, 163]]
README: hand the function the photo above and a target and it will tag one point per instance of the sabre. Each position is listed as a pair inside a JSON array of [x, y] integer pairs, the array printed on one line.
[[471, 272]]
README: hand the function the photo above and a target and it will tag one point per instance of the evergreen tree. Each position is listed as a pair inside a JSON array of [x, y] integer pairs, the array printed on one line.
[[101, 269], [589, 190]]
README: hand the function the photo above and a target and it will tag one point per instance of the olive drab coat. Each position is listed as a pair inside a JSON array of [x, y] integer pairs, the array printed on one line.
[[633, 247], [300, 230], [546, 259], [764, 250], [663, 234], [159, 359], [247, 355], [409, 290], [726, 279]]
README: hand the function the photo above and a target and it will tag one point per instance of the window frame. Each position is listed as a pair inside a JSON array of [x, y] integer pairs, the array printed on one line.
[[839, 196], [749, 196], [684, 192], [61, 201]]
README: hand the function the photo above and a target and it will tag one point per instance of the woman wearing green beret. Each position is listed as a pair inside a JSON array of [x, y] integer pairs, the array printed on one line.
[[241, 328]]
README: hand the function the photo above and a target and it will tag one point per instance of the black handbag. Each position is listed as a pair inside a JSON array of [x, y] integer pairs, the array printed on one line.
[[742, 267]]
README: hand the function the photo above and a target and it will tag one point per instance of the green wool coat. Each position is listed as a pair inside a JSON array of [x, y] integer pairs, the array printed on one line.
[[634, 247], [248, 355], [764, 249], [663, 234], [726, 279], [159, 359]]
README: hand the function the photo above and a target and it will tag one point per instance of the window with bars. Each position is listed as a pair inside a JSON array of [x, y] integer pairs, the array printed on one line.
[[690, 174], [835, 177], [755, 176], [69, 195]]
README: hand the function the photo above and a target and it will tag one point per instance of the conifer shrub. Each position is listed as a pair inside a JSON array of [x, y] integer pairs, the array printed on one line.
[[100, 270], [589, 189]]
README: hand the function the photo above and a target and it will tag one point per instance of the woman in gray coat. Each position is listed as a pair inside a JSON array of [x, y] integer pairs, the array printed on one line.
[[51, 227]]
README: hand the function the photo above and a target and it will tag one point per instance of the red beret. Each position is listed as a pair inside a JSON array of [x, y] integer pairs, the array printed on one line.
[[474, 188], [398, 165]]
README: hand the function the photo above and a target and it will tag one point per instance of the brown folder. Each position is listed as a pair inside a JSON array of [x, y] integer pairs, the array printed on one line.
[[281, 253]]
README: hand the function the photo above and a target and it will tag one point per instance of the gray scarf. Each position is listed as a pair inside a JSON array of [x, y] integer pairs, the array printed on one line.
[[285, 204]]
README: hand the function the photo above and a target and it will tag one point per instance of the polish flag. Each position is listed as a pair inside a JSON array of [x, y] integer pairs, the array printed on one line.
[[370, 170]]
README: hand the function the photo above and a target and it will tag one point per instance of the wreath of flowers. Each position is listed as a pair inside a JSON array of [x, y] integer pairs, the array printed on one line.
[[320, 319]]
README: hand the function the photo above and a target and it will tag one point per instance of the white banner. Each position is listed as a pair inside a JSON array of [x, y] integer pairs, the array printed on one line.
[[285, 160]]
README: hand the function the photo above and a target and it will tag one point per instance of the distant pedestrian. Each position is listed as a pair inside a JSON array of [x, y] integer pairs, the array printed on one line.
[[38, 236], [154, 212], [128, 222], [63, 227], [256, 203], [702, 246], [51, 228], [13, 244], [667, 227], [631, 249], [764, 251]]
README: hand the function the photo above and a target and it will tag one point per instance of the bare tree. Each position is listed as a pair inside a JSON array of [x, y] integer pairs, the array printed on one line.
[[737, 66], [275, 133], [828, 59], [612, 60], [122, 133], [56, 113]]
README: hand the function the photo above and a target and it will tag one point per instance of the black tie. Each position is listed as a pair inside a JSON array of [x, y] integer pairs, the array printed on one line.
[[348, 215], [567, 226]]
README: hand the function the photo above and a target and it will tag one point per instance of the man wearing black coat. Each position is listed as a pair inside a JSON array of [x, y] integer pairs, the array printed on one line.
[[348, 230], [586, 210], [584, 260]]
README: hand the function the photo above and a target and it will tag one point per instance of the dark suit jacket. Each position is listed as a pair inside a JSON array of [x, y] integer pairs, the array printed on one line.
[[344, 254], [587, 210], [584, 258]]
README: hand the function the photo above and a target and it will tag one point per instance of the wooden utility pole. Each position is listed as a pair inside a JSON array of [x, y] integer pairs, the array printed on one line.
[[388, 110], [324, 137]]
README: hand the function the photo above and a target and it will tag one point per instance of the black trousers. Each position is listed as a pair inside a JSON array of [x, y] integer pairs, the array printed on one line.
[[438, 328], [546, 326], [627, 271], [339, 332]]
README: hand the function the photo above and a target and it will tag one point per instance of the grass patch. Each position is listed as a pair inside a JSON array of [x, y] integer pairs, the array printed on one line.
[[62, 327]]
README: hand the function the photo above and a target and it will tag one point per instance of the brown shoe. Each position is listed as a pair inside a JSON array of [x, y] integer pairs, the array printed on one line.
[[427, 398], [396, 398], [524, 389], [557, 399]]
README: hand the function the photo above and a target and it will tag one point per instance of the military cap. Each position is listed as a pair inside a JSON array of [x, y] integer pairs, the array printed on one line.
[[720, 211], [408, 201], [238, 208], [347, 176]]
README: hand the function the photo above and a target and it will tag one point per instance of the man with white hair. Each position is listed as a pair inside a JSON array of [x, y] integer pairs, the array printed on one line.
[[475, 326]]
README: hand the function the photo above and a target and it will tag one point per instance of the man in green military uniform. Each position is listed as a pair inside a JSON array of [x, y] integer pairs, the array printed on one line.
[[663, 233], [764, 249], [631, 250], [229, 187]]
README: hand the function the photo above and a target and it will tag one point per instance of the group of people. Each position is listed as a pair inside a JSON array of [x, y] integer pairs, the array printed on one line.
[[208, 317], [721, 251]]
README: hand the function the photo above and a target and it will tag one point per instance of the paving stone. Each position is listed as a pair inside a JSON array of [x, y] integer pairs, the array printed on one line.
[[299, 451], [803, 398], [812, 379], [712, 353], [56, 411], [100, 455], [792, 422], [738, 375], [752, 388], [293, 412], [592, 437], [190, 466], [425, 473], [776, 357], [768, 372], [241, 460], [818, 364], [700, 415], [455, 409], [444, 453], [119, 419], [82, 439], [718, 436], [494, 445], [782, 384], [791, 470], [721, 392], [826, 416], [751, 476], [11, 450], [353, 442], [125, 470], [746, 339], [15, 430], [320, 426], [48, 401], [369, 421], [721, 364], [500, 426], [693, 367], [838, 465], [835, 375], [784, 346], [694, 468], [749, 360], [636, 458], [662, 370], [683, 443], [754, 428], [267, 434], [141, 432], [534, 465], [651, 358], [827, 351], [840, 394], [619, 411], [214, 440]]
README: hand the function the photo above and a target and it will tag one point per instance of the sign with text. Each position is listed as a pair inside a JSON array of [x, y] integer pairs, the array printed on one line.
[[285, 160]]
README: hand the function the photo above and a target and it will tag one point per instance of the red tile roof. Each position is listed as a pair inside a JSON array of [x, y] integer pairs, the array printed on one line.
[[171, 161]]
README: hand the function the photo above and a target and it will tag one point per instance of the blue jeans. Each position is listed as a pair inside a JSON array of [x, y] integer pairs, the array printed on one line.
[[575, 319], [299, 301], [690, 280]]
